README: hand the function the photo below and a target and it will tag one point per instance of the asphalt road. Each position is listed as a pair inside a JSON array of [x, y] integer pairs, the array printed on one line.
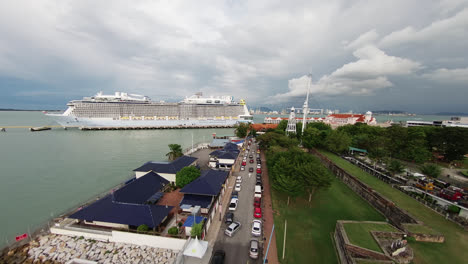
[[237, 247]]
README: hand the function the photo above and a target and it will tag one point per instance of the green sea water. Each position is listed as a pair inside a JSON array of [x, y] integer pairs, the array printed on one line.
[[43, 174]]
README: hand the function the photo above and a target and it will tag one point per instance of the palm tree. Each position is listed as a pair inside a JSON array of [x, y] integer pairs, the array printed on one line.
[[175, 151]]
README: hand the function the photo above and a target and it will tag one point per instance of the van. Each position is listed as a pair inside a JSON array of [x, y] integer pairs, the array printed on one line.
[[258, 191]]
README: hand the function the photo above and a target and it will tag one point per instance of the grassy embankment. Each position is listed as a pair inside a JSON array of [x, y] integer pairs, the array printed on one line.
[[455, 248], [310, 225], [359, 234]]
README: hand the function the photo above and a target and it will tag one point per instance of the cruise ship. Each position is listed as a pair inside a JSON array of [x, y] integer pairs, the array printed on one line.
[[123, 110]]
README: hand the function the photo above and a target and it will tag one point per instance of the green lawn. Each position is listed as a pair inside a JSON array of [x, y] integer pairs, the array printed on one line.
[[455, 247], [359, 234], [421, 229], [310, 226]]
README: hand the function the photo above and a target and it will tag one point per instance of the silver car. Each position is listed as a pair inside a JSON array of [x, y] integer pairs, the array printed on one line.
[[232, 228], [253, 251], [256, 227]]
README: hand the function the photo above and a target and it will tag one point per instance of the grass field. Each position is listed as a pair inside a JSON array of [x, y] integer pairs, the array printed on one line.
[[310, 225], [359, 234], [455, 247], [422, 229]]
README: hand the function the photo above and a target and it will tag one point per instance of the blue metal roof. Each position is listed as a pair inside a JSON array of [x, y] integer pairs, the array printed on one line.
[[209, 183], [167, 167], [193, 200], [155, 197], [106, 210], [191, 219], [141, 189], [230, 146]]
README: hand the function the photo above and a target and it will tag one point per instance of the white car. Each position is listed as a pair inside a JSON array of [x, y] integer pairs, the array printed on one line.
[[239, 179], [233, 204], [256, 228], [232, 228], [259, 166], [238, 187], [242, 168]]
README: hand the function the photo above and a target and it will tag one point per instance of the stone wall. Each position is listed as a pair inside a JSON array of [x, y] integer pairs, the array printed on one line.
[[394, 214], [427, 237]]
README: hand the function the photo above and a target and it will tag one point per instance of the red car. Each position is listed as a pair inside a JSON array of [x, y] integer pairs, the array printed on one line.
[[257, 212], [259, 170], [257, 202], [251, 161], [244, 163]]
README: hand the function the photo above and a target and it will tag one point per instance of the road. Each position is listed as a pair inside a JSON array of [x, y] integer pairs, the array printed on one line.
[[237, 247]]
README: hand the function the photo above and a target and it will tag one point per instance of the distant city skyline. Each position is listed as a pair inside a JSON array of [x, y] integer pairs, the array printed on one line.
[[362, 55]]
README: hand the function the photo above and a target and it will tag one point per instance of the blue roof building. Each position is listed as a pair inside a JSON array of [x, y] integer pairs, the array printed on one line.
[[167, 170], [224, 158], [204, 190], [128, 206]]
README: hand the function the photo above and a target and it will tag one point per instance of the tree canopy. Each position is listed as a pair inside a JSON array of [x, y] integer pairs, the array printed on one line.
[[186, 175], [431, 170], [175, 151], [242, 129]]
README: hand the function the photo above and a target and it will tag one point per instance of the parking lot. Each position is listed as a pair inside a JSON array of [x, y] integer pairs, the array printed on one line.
[[237, 246]]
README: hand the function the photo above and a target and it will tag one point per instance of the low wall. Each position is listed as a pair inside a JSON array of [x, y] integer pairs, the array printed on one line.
[[147, 240], [87, 235], [394, 214], [427, 237], [125, 237]]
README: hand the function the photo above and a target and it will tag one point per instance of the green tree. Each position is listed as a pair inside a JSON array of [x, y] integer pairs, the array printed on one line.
[[283, 124], [338, 141], [175, 151], [311, 138], [314, 175], [395, 167], [452, 142], [253, 132], [284, 178], [186, 175], [173, 231], [299, 130], [142, 228], [242, 129], [196, 230], [431, 170]]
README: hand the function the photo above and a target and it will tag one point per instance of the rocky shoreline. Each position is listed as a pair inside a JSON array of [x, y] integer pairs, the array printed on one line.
[[53, 248]]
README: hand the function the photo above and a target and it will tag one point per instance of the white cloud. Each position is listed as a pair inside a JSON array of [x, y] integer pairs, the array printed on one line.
[[451, 28], [448, 76], [362, 77], [365, 39]]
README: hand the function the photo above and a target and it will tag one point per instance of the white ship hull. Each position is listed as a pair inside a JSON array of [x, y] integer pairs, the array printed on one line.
[[70, 121]]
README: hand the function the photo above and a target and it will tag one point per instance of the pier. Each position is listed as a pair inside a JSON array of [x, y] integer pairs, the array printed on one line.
[[88, 128]]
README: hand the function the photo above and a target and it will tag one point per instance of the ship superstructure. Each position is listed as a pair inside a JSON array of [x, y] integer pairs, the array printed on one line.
[[131, 110]]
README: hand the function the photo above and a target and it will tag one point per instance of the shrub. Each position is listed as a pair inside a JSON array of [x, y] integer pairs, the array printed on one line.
[[142, 228], [179, 224], [453, 209], [196, 229], [173, 231]]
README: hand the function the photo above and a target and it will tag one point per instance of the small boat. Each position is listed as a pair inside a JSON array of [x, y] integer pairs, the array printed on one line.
[[34, 129]]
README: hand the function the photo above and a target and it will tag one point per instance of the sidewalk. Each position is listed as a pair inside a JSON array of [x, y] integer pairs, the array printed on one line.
[[268, 216], [216, 223]]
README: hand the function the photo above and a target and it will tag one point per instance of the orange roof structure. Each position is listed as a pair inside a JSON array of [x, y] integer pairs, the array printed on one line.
[[259, 127]]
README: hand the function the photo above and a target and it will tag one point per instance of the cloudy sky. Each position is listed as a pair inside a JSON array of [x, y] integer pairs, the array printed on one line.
[[361, 55]]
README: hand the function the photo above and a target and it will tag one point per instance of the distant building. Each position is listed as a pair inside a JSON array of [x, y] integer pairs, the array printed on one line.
[[350, 119], [224, 158], [166, 170], [453, 122]]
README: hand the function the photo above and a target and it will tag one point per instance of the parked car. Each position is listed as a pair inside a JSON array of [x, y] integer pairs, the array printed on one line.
[[259, 175], [256, 228], [250, 169], [257, 212], [237, 187], [234, 194], [259, 166], [244, 163], [233, 204], [232, 229], [259, 161], [257, 201], [259, 170], [242, 168], [239, 179], [253, 251], [258, 191], [251, 156], [258, 151], [229, 218], [251, 161], [218, 257], [259, 178]]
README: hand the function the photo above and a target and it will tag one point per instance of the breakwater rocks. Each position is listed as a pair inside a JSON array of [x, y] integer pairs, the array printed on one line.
[[60, 249]]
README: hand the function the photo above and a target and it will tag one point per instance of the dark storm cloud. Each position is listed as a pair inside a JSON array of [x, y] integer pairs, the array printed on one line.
[[362, 54]]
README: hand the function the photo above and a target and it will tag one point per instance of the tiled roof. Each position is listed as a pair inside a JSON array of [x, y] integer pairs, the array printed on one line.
[[209, 183], [141, 189], [167, 167], [106, 210]]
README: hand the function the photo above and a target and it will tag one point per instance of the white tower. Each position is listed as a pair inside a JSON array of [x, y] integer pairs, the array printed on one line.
[[306, 104], [291, 128]]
